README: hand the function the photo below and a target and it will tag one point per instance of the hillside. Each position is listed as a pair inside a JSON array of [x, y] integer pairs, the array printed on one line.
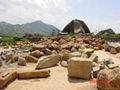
[[7, 29]]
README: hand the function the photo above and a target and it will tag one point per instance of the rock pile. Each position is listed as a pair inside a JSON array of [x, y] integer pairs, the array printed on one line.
[[72, 52]]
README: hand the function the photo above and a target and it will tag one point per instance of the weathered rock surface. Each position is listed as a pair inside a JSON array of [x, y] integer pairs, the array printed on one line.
[[48, 61], [36, 53], [21, 61], [109, 79], [79, 68], [76, 26], [12, 74], [33, 74]]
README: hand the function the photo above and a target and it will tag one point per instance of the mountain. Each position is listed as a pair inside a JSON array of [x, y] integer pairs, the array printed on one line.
[[4, 23], [40, 27]]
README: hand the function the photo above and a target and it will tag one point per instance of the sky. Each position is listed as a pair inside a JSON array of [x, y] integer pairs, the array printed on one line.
[[97, 14]]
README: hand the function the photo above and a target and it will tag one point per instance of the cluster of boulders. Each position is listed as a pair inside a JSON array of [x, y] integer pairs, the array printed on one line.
[[113, 48], [72, 52]]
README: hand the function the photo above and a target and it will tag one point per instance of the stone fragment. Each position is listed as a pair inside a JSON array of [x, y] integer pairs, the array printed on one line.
[[84, 55], [75, 54], [112, 66], [36, 53], [113, 51], [108, 61], [88, 51], [31, 59], [48, 61], [8, 78], [96, 71], [94, 58], [64, 63], [33, 74], [21, 61]]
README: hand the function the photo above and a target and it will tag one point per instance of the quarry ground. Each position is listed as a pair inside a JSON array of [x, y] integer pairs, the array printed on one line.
[[58, 79]]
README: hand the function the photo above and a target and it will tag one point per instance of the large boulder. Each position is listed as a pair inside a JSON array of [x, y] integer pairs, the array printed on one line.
[[79, 68], [76, 26], [48, 61], [109, 79]]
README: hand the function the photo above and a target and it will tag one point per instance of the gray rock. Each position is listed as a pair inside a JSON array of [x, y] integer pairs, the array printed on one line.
[[75, 54], [64, 64], [108, 61], [46, 51]]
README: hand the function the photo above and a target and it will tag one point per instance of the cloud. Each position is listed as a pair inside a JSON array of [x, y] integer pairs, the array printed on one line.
[[22, 11], [55, 12]]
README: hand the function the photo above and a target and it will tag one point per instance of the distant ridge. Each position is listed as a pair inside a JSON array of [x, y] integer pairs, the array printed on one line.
[[33, 27]]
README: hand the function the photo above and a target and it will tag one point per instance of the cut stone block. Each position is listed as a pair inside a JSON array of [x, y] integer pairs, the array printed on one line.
[[33, 74], [79, 68], [5, 79]]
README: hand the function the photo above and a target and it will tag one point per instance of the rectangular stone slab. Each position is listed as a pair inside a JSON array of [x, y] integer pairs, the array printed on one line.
[[33, 74]]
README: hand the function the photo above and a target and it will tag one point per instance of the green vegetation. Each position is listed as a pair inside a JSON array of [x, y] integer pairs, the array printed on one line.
[[108, 35], [39, 35], [12, 39], [70, 34]]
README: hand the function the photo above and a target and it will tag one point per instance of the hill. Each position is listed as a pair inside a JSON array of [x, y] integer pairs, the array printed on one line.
[[7, 29]]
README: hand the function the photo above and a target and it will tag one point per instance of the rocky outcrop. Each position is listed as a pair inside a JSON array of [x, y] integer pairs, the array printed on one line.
[[107, 31], [76, 26]]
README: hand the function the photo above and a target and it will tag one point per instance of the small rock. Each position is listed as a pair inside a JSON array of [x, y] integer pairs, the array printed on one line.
[[46, 51], [75, 54], [88, 51], [21, 61], [73, 49], [112, 66], [36, 53], [64, 63], [84, 55], [108, 61], [113, 51]]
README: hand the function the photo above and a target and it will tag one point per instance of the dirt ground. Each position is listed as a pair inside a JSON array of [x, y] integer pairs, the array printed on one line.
[[58, 79]]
